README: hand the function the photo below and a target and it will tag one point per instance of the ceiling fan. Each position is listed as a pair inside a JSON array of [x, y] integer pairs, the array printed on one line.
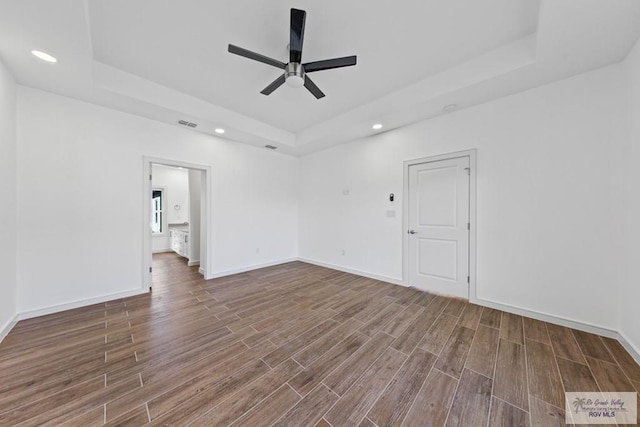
[[295, 73]]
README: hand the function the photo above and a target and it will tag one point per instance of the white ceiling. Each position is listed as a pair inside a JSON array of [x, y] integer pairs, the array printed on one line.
[[168, 60]]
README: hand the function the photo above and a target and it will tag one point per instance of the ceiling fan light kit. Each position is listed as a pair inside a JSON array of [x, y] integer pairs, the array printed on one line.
[[295, 72]]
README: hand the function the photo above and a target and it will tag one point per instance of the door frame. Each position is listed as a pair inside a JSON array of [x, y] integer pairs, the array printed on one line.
[[205, 220], [471, 154]]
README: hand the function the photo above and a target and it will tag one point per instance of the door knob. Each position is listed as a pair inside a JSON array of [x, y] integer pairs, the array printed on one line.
[[412, 232]]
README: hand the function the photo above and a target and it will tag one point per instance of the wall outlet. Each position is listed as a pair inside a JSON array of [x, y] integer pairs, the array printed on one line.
[[344, 252], [257, 250], [346, 192]]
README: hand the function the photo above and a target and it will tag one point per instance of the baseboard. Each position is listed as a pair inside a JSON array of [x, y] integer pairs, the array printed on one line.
[[201, 271], [632, 349], [215, 275], [77, 304], [562, 321], [192, 263], [356, 272], [7, 327], [162, 251], [557, 320]]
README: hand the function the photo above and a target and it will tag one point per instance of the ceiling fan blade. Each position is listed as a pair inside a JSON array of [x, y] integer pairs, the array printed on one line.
[[298, 18], [273, 86], [328, 64], [256, 56], [315, 90]]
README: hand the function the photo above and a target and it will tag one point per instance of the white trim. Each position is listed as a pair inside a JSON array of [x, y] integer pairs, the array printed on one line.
[[626, 343], [621, 337], [146, 215], [472, 213], [8, 327], [77, 304], [392, 280], [161, 251], [563, 321], [249, 268], [546, 317], [192, 263]]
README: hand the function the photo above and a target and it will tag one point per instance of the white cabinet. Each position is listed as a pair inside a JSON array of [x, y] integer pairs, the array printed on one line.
[[180, 242]]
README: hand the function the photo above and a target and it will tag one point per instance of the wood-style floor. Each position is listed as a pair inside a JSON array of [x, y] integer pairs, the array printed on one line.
[[297, 345]]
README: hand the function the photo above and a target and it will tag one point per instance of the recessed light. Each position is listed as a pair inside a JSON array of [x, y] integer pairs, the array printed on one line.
[[449, 108], [377, 126], [219, 130], [44, 56]]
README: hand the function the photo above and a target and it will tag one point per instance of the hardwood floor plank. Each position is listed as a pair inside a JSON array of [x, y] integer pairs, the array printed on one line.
[[511, 328], [591, 345], [544, 378], [624, 359], [546, 415], [183, 405], [576, 377], [609, 376], [409, 339], [136, 417], [270, 409], [353, 406], [378, 322], [432, 403], [310, 409], [491, 317], [564, 344], [505, 415], [160, 378], [395, 401], [472, 401], [348, 372], [510, 383], [536, 330], [400, 322], [307, 356], [309, 378], [224, 351], [438, 334], [93, 417], [455, 307], [285, 351], [454, 354], [482, 355], [246, 398], [470, 317], [365, 423]]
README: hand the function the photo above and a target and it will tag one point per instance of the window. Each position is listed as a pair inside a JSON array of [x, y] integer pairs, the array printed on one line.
[[157, 211]]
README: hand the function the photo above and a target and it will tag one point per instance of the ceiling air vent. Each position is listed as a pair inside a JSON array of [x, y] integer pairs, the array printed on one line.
[[271, 147], [186, 123]]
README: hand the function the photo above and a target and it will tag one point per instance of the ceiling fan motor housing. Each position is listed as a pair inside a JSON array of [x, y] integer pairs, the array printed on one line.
[[294, 74]]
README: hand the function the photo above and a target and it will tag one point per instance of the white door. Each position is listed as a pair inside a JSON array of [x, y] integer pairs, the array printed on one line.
[[439, 226]]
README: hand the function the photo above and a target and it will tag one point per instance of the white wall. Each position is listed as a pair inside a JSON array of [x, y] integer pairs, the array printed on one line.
[[81, 247], [548, 191], [8, 198], [195, 215], [176, 185], [630, 291]]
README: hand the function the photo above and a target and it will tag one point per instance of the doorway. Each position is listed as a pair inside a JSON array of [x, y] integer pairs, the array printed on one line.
[[188, 219], [440, 224]]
